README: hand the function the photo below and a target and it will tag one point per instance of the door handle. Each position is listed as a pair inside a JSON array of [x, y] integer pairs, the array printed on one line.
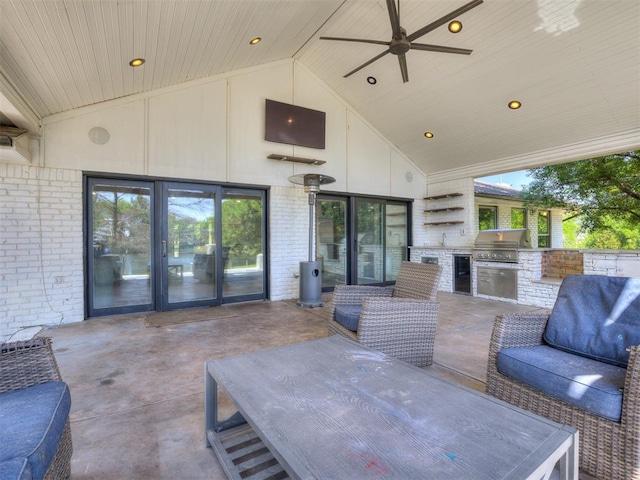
[[164, 248]]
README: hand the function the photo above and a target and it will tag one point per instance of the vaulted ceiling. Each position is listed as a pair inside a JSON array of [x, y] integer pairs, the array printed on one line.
[[574, 65]]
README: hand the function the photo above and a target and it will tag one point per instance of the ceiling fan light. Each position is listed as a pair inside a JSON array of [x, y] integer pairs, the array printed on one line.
[[136, 62], [514, 104], [455, 26], [428, 134]]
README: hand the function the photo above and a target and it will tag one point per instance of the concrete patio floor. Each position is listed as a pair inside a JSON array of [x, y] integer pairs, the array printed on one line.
[[138, 391]]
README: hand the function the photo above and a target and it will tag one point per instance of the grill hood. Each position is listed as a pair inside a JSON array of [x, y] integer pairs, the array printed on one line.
[[503, 238]]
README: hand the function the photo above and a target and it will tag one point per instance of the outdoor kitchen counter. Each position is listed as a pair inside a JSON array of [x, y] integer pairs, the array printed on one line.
[[537, 286]]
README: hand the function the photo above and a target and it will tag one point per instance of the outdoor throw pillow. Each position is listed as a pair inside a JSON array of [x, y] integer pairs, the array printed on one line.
[[596, 316]]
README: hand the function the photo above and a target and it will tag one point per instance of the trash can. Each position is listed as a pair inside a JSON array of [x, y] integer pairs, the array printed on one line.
[[310, 284]]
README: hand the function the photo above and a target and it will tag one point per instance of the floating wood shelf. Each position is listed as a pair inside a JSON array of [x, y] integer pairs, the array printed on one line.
[[448, 209], [446, 195], [456, 222], [289, 158]]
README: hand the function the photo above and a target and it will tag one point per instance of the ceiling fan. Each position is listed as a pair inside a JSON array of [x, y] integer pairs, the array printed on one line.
[[401, 43]]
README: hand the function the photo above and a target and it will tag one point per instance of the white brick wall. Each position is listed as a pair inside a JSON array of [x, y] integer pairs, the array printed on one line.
[[42, 267], [41, 279], [432, 235], [289, 239]]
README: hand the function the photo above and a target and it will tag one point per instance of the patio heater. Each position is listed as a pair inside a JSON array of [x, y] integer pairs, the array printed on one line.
[[311, 271]]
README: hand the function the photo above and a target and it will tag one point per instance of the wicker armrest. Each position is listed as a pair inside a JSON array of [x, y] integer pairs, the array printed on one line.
[[354, 294], [518, 330], [631, 397], [27, 363]]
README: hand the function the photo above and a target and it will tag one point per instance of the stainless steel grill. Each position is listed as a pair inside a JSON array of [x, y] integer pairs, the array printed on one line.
[[501, 245]]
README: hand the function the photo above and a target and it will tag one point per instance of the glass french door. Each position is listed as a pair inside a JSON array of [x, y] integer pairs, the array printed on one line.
[[369, 258], [160, 246], [396, 240], [332, 242], [120, 246], [188, 255], [361, 241], [243, 226]]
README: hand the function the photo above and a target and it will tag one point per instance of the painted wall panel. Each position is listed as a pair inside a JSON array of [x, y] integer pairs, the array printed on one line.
[[406, 179], [311, 93], [369, 159], [188, 133], [121, 149], [248, 150]]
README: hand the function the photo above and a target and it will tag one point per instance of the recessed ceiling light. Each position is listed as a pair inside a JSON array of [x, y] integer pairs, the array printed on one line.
[[255, 41], [514, 104], [136, 62], [455, 26], [428, 134], [372, 80]]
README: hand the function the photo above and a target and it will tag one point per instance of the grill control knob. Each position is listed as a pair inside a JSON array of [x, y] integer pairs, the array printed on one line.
[[508, 255], [493, 255]]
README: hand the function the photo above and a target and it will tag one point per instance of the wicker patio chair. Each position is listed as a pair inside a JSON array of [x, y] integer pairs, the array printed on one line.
[[608, 449], [28, 363], [399, 321]]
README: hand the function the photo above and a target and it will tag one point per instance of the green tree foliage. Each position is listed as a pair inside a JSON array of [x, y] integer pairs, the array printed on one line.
[[604, 192]]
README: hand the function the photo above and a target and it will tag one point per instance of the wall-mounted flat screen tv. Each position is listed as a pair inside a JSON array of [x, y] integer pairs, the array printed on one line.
[[294, 125]]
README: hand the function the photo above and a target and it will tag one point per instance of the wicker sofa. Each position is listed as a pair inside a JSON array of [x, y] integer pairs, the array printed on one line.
[[399, 321], [597, 391], [34, 413]]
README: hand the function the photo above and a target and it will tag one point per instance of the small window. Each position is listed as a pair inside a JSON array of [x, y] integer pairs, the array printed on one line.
[[518, 218], [487, 218], [544, 228]]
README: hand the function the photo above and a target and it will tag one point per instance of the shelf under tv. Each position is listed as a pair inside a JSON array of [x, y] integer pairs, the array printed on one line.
[[289, 158], [453, 222]]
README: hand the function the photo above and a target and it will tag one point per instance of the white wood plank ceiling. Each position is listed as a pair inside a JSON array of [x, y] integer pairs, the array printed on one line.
[[574, 64]]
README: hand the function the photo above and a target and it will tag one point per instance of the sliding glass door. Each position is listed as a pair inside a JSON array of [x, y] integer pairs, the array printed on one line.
[[243, 244], [188, 246], [331, 231], [396, 240], [120, 221], [361, 240], [369, 258], [167, 245]]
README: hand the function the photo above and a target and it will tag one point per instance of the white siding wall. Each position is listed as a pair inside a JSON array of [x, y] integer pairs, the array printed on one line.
[[211, 130]]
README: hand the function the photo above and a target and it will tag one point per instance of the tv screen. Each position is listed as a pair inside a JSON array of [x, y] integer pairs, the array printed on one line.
[[294, 125]]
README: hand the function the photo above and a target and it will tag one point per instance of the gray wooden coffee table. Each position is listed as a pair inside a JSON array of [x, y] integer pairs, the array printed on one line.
[[332, 409]]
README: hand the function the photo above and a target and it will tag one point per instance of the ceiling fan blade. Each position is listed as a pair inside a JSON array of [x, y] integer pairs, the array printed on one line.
[[443, 20], [402, 60], [438, 48], [377, 57], [394, 18], [359, 40]]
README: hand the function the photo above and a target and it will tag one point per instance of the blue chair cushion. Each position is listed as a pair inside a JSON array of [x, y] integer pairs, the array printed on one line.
[[17, 468], [32, 421], [589, 384], [348, 316], [597, 317]]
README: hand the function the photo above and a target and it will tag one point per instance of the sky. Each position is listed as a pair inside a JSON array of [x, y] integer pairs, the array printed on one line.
[[513, 179]]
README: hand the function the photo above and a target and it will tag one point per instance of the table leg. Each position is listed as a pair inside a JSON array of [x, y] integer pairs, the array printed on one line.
[[210, 404], [211, 422], [569, 461]]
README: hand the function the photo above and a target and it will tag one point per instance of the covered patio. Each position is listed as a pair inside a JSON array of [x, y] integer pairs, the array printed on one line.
[[138, 390]]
